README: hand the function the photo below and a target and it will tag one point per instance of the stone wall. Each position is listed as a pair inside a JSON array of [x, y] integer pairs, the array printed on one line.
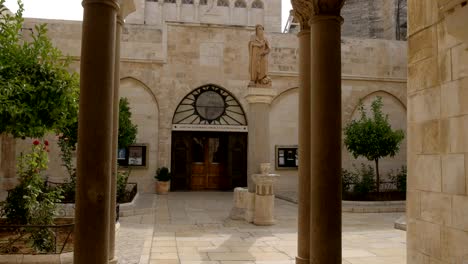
[[437, 212], [161, 65], [371, 18]]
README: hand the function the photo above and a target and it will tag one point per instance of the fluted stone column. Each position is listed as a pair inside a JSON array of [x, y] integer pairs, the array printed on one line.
[[95, 131], [325, 139], [302, 13]]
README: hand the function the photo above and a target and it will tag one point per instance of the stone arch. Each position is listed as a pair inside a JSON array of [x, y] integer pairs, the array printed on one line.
[[284, 92], [145, 114], [284, 124], [354, 102], [396, 110]]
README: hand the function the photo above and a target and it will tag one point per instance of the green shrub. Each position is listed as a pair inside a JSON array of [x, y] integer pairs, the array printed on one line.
[[32, 202], [349, 179], [366, 182], [67, 148], [163, 174], [399, 178], [122, 179]]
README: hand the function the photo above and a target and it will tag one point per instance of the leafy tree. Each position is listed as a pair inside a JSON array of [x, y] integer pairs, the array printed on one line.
[[37, 92], [372, 137], [127, 130]]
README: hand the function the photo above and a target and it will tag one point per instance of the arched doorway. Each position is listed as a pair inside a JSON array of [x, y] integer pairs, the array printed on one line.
[[209, 141]]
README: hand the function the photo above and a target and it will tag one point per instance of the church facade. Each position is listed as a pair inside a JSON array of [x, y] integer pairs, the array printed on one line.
[[185, 70]]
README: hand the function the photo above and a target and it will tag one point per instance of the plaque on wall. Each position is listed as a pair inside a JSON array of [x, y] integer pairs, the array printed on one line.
[[134, 156], [286, 157]]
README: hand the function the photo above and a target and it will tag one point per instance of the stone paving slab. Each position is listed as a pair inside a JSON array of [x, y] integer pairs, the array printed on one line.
[[194, 228]]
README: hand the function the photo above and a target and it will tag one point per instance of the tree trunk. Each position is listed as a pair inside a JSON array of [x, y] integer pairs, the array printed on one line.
[[377, 174], [7, 161]]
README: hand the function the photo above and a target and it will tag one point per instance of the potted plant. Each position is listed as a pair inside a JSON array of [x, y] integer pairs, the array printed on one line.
[[163, 180]]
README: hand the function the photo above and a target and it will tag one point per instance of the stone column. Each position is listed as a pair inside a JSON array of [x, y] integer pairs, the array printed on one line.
[[325, 139], [95, 131], [115, 139], [126, 7], [302, 14], [259, 100]]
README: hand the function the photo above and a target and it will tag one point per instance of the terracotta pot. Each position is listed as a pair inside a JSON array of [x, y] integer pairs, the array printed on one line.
[[162, 187]]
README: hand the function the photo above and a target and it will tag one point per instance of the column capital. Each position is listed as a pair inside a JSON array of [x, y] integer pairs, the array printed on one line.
[[305, 10], [126, 8], [302, 11], [111, 3], [260, 95]]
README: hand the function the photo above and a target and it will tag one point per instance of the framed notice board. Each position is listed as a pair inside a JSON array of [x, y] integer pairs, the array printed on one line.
[[134, 156], [287, 157]]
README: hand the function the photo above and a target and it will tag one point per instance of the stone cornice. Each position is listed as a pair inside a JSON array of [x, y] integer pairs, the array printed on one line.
[[260, 95]]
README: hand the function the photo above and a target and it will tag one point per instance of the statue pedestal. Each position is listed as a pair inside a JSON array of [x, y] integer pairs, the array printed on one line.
[[264, 198]]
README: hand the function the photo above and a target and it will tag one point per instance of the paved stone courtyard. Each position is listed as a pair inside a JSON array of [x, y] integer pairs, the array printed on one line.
[[194, 228]]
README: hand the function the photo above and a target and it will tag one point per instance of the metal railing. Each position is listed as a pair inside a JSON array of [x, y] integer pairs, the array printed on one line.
[[18, 239]]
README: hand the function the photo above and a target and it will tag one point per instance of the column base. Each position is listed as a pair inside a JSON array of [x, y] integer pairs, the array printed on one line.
[[115, 260], [300, 260]]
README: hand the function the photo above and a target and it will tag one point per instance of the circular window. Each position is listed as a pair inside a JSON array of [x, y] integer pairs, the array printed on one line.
[[210, 105]]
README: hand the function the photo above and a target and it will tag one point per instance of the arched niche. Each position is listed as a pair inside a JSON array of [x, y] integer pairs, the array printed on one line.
[[396, 111], [145, 114]]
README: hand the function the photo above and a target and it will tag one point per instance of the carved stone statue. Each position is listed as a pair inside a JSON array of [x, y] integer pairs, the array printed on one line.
[[259, 48]]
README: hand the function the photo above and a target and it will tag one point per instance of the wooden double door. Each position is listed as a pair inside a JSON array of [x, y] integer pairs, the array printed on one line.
[[208, 160]]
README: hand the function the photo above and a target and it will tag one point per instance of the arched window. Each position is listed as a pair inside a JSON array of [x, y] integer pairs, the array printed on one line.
[[203, 2], [240, 4], [170, 1], [187, 2], [223, 3], [209, 105], [257, 4]]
